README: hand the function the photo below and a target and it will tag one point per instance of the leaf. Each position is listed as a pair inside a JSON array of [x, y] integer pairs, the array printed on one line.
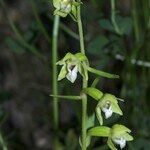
[[100, 131], [125, 24], [14, 46], [102, 73], [97, 45], [94, 93], [106, 24]]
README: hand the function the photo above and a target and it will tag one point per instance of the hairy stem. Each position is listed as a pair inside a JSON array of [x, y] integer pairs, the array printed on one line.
[[85, 83], [55, 84]]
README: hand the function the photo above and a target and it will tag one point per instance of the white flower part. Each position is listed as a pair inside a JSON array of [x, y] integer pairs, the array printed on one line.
[[66, 6], [72, 74], [108, 112], [121, 142]]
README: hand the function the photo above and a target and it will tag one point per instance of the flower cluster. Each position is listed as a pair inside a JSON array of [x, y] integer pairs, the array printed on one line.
[[108, 104], [72, 64]]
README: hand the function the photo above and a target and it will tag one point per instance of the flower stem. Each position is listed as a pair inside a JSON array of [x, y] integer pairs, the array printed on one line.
[[55, 87], [85, 83]]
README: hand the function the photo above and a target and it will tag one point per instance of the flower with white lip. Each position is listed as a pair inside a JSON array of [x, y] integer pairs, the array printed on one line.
[[71, 65], [119, 135], [109, 105]]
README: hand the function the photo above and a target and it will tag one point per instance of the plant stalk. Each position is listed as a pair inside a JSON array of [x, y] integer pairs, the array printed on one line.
[[55, 84], [85, 83]]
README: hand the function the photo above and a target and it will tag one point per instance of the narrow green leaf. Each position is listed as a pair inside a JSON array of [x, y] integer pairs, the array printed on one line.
[[102, 73], [94, 93], [101, 131]]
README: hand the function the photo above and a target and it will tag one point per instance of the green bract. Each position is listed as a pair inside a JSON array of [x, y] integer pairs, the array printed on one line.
[[119, 134], [65, 7], [71, 65], [94, 93], [109, 105]]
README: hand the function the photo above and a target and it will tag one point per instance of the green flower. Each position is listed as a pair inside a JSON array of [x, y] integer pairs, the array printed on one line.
[[108, 104], [71, 65], [119, 135], [65, 7]]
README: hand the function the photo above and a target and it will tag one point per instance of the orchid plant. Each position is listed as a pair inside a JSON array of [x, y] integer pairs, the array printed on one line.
[[74, 64]]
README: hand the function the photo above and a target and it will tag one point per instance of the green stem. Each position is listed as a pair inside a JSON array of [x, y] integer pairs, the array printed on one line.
[[135, 21], [113, 17], [85, 83], [39, 22], [55, 84]]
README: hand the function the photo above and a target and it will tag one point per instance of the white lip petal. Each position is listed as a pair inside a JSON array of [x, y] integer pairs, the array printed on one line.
[[108, 112], [121, 142], [72, 74]]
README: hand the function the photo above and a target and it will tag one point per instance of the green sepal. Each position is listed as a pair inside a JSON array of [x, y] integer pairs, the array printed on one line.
[[66, 57], [110, 144], [83, 71], [56, 3], [117, 128], [99, 115], [73, 13], [94, 93], [76, 3], [100, 131], [60, 13], [62, 73], [81, 57], [102, 73], [116, 109]]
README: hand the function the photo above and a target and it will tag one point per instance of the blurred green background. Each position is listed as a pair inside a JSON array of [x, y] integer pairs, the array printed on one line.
[[116, 41]]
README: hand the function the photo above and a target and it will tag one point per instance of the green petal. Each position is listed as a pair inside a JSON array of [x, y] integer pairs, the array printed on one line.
[[111, 145], [99, 115], [101, 131]]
